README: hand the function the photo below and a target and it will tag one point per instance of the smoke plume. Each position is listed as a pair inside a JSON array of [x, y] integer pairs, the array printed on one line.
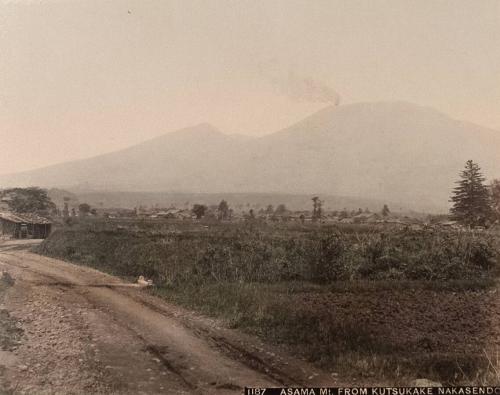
[[307, 89]]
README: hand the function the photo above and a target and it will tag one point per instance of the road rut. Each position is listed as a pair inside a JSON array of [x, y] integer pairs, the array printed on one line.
[[88, 332]]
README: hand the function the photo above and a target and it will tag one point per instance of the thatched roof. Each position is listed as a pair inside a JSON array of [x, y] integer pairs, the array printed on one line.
[[24, 218]]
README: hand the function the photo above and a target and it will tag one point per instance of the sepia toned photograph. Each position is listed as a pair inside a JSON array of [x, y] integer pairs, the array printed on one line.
[[294, 197]]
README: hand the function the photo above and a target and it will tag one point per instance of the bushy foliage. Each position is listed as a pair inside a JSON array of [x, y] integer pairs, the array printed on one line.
[[28, 200], [84, 209], [246, 255], [199, 210]]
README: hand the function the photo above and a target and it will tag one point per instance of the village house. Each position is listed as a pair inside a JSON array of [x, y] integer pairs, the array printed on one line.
[[24, 226]]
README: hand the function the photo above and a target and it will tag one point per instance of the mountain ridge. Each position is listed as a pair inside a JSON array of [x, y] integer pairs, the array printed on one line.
[[395, 151]]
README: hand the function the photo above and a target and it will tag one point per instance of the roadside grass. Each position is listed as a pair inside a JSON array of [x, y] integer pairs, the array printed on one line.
[[10, 334]]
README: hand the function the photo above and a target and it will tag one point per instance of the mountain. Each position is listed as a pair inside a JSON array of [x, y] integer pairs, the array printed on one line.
[[395, 151]]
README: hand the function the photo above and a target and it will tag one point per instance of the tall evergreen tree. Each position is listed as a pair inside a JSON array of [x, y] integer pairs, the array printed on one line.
[[471, 199]]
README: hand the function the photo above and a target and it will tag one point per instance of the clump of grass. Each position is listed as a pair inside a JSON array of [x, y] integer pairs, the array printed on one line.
[[490, 373], [6, 280], [10, 333]]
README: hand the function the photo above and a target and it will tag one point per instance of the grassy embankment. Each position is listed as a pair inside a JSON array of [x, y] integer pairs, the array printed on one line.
[[362, 301]]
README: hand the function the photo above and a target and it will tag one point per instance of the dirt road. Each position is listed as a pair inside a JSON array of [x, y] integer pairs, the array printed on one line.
[[70, 329]]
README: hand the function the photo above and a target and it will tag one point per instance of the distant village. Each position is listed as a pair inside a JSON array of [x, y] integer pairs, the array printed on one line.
[[268, 214], [32, 214]]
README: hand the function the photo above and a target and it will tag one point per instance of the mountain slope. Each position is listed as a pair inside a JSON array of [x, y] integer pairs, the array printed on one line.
[[394, 151], [173, 161]]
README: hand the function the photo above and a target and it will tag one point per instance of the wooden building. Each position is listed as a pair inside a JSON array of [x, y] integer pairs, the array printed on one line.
[[24, 226]]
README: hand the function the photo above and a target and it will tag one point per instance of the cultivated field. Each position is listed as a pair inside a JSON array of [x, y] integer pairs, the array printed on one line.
[[372, 303]]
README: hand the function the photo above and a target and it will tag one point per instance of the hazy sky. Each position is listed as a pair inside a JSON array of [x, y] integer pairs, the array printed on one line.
[[78, 78]]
